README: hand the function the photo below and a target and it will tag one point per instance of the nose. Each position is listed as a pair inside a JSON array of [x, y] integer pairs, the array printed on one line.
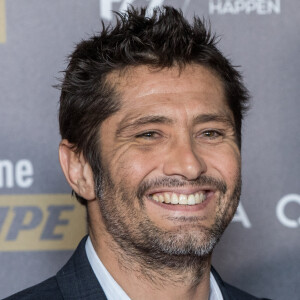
[[182, 160]]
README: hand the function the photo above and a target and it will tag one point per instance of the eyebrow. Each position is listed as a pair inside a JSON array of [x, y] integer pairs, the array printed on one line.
[[220, 118], [136, 123]]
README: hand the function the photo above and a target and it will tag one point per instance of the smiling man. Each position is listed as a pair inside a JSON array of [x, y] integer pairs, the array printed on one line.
[[150, 118]]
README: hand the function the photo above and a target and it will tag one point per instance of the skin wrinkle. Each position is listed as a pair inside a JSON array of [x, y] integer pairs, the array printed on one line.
[[133, 124], [174, 182], [222, 118]]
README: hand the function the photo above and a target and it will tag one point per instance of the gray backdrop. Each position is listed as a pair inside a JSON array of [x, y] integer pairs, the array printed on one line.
[[260, 250]]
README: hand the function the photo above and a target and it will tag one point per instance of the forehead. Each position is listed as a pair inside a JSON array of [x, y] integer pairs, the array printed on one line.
[[194, 89]]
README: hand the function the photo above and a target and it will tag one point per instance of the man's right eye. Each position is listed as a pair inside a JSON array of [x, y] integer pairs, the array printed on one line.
[[148, 135]]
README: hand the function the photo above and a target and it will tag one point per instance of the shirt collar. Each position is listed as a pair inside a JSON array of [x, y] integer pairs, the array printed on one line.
[[112, 289]]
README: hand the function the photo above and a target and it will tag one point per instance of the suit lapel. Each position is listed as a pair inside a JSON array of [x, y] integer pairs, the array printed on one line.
[[220, 283], [77, 280]]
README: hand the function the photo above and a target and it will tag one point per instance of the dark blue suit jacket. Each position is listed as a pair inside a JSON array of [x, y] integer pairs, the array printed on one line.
[[76, 280]]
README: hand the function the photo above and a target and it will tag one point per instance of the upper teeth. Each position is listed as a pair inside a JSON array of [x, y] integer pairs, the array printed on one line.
[[174, 198]]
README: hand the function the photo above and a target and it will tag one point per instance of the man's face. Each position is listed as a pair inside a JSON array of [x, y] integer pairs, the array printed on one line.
[[171, 165]]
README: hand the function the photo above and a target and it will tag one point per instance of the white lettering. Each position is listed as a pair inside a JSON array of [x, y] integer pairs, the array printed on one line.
[[274, 6], [6, 174], [125, 4], [215, 7], [106, 8], [260, 7], [152, 4], [239, 6], [280, 210], [251, 6], [241, 216], [23, 175], [228, 8]]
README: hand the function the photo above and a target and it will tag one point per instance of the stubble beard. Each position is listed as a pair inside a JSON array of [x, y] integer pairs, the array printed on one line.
[[139, 242]]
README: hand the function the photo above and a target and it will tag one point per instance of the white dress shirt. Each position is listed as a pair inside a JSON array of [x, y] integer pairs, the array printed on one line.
[[111, 288]]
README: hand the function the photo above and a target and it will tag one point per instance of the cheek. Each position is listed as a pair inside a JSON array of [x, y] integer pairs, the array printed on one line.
[[227, 163], [231, 167], [133, 165]]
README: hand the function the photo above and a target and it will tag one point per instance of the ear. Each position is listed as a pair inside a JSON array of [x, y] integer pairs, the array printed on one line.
[[77, 170]]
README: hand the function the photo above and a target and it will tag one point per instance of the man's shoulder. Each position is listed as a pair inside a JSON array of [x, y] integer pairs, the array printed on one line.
[[235, 293], [230, 292], [46, 290], [76, 280]]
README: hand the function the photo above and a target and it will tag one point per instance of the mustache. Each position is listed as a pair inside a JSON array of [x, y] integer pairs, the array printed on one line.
[[201, 181]]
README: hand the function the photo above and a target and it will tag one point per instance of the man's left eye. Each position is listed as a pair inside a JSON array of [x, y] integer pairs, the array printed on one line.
[[211, 134]]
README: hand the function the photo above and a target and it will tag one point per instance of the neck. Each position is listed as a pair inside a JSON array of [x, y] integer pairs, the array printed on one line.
[[152, 276]]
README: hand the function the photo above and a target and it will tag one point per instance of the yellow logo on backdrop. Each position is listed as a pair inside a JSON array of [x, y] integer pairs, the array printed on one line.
[[41, 222], [2, 22]]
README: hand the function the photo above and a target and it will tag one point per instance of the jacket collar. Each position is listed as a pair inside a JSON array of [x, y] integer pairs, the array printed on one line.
[[77, 280], [220, 283]]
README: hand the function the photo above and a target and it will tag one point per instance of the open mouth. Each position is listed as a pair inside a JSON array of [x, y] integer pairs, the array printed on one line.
[[181, 199]]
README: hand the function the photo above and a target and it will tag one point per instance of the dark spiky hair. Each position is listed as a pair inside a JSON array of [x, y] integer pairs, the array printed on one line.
[[162, 40]]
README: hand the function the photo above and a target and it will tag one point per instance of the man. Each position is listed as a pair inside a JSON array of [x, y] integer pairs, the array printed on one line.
[[150, 118]]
